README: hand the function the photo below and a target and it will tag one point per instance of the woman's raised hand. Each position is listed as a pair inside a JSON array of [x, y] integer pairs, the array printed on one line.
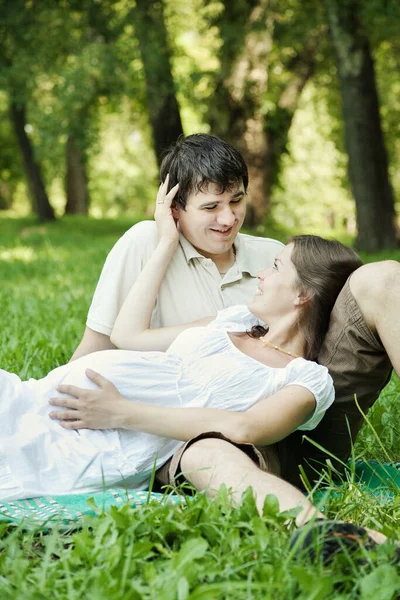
[[166, 224]]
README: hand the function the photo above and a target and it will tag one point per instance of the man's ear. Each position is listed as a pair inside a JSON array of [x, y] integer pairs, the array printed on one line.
[[175, 212]]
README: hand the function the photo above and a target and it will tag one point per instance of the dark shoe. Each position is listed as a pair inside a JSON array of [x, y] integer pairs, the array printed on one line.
[[322, 540]]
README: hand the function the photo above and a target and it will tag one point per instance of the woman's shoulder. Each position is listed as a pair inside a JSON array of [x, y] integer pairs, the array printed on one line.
[[317, 380], [308, 369], [314, 377]]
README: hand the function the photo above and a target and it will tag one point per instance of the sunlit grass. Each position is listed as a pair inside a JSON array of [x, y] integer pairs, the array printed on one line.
[[200, 550]]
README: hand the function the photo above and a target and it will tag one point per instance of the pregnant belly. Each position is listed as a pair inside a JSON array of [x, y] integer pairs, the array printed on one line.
[[148, 377]]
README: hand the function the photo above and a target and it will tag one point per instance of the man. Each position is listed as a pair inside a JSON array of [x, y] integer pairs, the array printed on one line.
[[214, 267]]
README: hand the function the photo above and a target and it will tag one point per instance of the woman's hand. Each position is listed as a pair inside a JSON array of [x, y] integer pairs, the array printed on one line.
[[167, 226], [104, 408]]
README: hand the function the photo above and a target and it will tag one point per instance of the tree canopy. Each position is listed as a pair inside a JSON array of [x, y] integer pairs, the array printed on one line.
[[92, 93]]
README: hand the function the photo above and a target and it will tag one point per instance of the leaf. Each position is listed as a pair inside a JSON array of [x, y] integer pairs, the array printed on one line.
[[191, 550], [290, 513], [313, 588], [248, 507], [271, 506], [183, 589], [381, 584]]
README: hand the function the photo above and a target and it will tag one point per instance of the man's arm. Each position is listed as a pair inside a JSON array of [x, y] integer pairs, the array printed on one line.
[[92, 341]]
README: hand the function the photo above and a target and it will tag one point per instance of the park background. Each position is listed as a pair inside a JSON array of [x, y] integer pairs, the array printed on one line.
[[91, 93]]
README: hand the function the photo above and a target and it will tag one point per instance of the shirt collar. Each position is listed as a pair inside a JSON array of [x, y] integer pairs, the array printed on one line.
[[244, 259], [188, 250]]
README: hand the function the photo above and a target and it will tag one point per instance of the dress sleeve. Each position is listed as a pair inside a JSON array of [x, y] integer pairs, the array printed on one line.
[[317, 380], [236, 318], [121, 269]]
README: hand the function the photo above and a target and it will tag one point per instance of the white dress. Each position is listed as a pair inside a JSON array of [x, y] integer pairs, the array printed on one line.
[[201, 368]]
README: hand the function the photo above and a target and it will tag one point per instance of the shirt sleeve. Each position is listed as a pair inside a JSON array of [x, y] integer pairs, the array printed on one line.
[[236, 318], [317, 380], [121, 269]]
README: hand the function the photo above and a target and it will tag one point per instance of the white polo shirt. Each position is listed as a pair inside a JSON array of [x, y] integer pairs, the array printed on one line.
[[192, 287]]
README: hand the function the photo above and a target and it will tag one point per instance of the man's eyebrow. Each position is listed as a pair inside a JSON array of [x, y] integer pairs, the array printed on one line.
[[210, 202], [239, 193]]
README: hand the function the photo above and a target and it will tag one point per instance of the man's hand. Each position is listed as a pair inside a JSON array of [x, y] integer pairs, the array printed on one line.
[[90, 409]]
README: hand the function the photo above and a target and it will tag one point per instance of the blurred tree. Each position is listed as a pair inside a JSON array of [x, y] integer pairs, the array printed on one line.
[[265, 64], [76, 179], [103, 82], [37, 190], [95, 74], [368, 164], [11, 168], [162, 104], [19, 41]]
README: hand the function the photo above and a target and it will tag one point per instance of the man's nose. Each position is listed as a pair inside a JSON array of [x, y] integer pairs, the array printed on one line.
[[226, 216]]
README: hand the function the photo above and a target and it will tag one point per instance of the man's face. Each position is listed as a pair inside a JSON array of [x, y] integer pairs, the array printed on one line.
[[212, 220]]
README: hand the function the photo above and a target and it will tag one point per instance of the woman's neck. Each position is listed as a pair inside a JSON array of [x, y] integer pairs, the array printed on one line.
[[286, 335]]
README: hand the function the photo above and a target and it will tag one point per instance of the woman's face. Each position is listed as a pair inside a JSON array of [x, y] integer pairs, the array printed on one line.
[[278, 291]]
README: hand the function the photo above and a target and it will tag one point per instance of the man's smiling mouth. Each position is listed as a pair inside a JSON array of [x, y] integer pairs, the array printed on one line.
[[223, 231]]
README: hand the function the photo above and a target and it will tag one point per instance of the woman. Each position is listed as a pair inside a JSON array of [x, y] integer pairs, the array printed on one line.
[[228, 374]]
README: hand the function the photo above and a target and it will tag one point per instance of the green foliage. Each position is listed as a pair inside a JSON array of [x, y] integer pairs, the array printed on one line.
[[201, 550], [77, 66], [311, 195], [48, 291], [386, 424]]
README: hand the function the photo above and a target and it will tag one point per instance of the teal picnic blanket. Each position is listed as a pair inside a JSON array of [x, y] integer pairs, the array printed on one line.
[[379, 478], [382, 479], [66, 512]]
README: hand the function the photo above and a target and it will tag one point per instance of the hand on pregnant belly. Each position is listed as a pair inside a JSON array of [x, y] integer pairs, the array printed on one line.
[[103, 408]]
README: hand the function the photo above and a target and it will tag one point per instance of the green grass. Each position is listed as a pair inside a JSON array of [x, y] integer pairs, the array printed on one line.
[[201, 550]]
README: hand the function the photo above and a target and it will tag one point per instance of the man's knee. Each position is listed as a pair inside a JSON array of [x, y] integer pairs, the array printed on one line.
[[374, 277], [371, 284]]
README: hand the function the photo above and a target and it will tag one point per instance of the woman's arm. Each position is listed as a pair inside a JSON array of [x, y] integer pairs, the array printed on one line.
[[264, 423], [132, 327]]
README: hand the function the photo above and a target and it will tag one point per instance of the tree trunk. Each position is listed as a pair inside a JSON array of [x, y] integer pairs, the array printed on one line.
[[76, 180], [6, 196], [162, 104], [40, 200], [368, 163], [238, 113]]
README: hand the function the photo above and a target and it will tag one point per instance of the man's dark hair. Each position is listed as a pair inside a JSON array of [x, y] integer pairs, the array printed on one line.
[[198, 160]]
